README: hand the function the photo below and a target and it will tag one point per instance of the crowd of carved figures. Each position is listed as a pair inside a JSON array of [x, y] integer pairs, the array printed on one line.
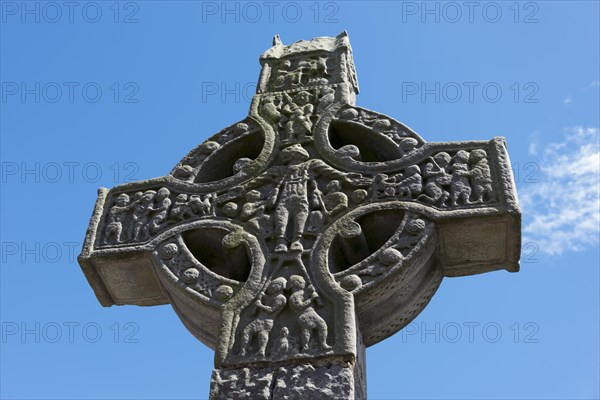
[[137, 217], [301, 301], [443, 180]]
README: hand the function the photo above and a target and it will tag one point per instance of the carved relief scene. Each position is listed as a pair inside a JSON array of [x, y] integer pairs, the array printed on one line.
[[294, 113], [287, 319], [138, 216], [292, 201], [292, 72], [444, 180]]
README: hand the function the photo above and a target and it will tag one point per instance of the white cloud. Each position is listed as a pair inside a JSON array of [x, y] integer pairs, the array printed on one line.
[[534, 142], [561, 211], [568, 100]]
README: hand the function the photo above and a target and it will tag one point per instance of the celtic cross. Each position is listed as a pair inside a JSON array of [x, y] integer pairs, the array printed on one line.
[[292, 240]]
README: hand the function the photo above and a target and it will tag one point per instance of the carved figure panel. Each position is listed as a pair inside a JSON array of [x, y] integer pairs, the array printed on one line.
[[292, 72], [294, 113], [445, 180]]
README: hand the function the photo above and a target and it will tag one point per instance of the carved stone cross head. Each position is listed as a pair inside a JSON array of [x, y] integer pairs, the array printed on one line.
[[292, 240]]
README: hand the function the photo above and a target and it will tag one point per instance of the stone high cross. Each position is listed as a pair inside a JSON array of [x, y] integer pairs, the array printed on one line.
[[312, 229]]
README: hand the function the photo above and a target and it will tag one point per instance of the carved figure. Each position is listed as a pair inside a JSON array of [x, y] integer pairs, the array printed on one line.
[[271, 110], [298, 75], [382, 125], [293, 198], [413, 232], [180, 208], [411, 184], [282, 345], [350, 114], [291, 194], [436, 178], [201, 206], [184, 171], [303, 72], [282, 74], [407, 145], [298, 110], [241, 164], [480, 175], [159, 211], [321, 66], [326, 207], [326, 97], [313, 71], [261, 327], [253, 211], [240, 128], [383, 186], [460, 189], [141, 214], [308, 319], [335, 201], [204, 150], [186, 207], [116, 218]]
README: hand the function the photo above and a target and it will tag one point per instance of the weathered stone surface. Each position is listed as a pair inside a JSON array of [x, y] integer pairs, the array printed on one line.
[[293, 382], [293, 239]]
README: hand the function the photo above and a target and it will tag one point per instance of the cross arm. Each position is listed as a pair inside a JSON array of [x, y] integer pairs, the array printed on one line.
[[117, 277], [126, 224]]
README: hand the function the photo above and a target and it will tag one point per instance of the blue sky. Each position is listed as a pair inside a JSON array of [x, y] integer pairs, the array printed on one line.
[[104, 92]]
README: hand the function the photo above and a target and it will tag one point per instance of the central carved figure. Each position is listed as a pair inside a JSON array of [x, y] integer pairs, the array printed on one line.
[[294, 198], [292, 240]]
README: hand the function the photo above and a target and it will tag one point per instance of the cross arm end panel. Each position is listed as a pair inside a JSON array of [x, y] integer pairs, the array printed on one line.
[[118, 278]]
